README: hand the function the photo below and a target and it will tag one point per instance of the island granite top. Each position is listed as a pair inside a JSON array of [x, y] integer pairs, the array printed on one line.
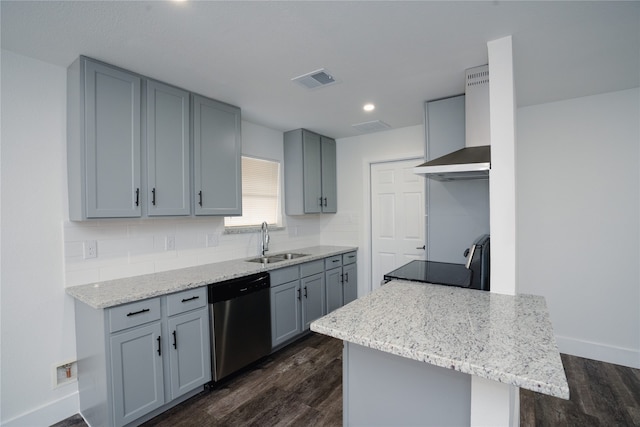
[[498, 337], [120, 291]]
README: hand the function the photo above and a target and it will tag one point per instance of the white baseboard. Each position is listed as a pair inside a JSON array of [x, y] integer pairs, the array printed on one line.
[[48, 414], [598, 351]]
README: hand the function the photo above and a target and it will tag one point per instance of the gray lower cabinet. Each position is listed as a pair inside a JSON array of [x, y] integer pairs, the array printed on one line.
[[139, 359], [189, 346], [310, 173], [341, 280], [313, 298], [103, 141], [349, 283], [136, 372], [297, 299], [286, 312], [217, 157], [168, 152], [333, 281]]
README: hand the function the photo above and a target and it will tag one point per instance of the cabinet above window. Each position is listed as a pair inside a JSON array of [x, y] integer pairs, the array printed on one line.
[[309, 173]]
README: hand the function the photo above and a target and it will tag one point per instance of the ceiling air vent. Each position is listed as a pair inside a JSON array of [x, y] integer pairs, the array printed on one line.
[[372, 126], [315, 79]]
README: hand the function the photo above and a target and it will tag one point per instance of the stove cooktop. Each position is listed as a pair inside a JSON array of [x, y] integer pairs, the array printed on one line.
[[439, 273]]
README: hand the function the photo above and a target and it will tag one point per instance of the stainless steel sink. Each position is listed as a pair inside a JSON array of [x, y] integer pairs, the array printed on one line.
[[276, 258]]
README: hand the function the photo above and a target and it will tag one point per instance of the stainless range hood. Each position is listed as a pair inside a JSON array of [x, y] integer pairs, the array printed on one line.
[[473, 161]]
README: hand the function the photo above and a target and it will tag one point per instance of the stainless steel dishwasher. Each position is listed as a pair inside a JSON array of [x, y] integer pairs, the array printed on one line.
[[240, 315]]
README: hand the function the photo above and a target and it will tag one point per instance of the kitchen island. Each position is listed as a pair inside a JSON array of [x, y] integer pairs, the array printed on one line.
[[412, 351]]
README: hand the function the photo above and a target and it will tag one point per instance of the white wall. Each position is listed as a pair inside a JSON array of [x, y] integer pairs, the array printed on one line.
[[578, 220], [351, 225], [37, 316]]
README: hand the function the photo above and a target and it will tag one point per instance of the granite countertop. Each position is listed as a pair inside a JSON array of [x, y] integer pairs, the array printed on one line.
[[120, 291], [498, 337]]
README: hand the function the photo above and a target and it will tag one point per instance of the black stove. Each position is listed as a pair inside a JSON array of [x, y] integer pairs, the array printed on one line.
[[474, 274], [439, 273]]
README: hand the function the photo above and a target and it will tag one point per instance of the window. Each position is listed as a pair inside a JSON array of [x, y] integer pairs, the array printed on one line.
[[260, 193]]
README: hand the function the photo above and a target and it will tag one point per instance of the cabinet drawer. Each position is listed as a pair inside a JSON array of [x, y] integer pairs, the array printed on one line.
[[133, 314], [284, 275], [186, 300], [332, 262], [349, 258], [313, 267]]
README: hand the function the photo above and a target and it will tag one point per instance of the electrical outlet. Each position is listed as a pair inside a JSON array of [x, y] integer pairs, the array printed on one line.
[[212, 240], [170, 243], [90, 249]]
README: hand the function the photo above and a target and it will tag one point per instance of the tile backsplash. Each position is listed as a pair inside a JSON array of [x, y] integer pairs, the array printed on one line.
[[132, 247]]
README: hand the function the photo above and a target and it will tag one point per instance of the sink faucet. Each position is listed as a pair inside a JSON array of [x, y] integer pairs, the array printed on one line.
[[264, 245]]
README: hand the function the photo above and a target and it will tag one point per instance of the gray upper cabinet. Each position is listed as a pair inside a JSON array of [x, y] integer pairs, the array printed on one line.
[[310, 173], [217, 158], [329, 175], [168, 163], [103, 149], [113, 115]]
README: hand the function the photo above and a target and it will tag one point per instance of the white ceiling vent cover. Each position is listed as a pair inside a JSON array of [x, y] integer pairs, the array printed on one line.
[[372, 126], [315, 79]]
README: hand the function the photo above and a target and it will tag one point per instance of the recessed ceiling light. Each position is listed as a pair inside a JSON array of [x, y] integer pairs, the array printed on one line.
[[369, 107]]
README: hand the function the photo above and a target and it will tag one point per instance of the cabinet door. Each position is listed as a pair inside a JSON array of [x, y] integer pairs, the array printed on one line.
[[350, 282], [329, 180], [286, 317], [313, 299], [217, 158], [112, 141], [189, 351], [136, 372], [333, 283], [312, 172], [167, 150]]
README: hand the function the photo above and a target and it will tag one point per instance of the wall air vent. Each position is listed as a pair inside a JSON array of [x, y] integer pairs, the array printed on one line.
[[315, 79], [372, 126]]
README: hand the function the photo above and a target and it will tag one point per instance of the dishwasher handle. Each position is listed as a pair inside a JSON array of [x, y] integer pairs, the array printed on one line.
[[234, 288]]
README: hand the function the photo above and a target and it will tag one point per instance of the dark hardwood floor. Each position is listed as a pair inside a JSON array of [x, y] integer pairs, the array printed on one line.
[[601, 394], [301, 385]]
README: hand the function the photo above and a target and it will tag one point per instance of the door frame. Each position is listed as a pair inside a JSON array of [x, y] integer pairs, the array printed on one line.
[[419, 158]]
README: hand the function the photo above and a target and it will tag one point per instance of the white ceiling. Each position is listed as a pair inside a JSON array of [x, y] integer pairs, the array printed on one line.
[[396, 54]]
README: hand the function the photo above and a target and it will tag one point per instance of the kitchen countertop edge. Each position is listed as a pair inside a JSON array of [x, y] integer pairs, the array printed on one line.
[[115, 292], [517, 365]]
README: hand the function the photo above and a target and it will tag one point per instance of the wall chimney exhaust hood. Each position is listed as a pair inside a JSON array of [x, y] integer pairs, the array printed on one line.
[[473, 161]]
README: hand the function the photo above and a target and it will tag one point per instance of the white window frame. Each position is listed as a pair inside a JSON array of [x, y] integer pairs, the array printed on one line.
[[239, 228]]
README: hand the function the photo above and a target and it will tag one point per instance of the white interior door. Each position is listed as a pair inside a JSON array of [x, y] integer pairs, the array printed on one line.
[[397, 216]]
